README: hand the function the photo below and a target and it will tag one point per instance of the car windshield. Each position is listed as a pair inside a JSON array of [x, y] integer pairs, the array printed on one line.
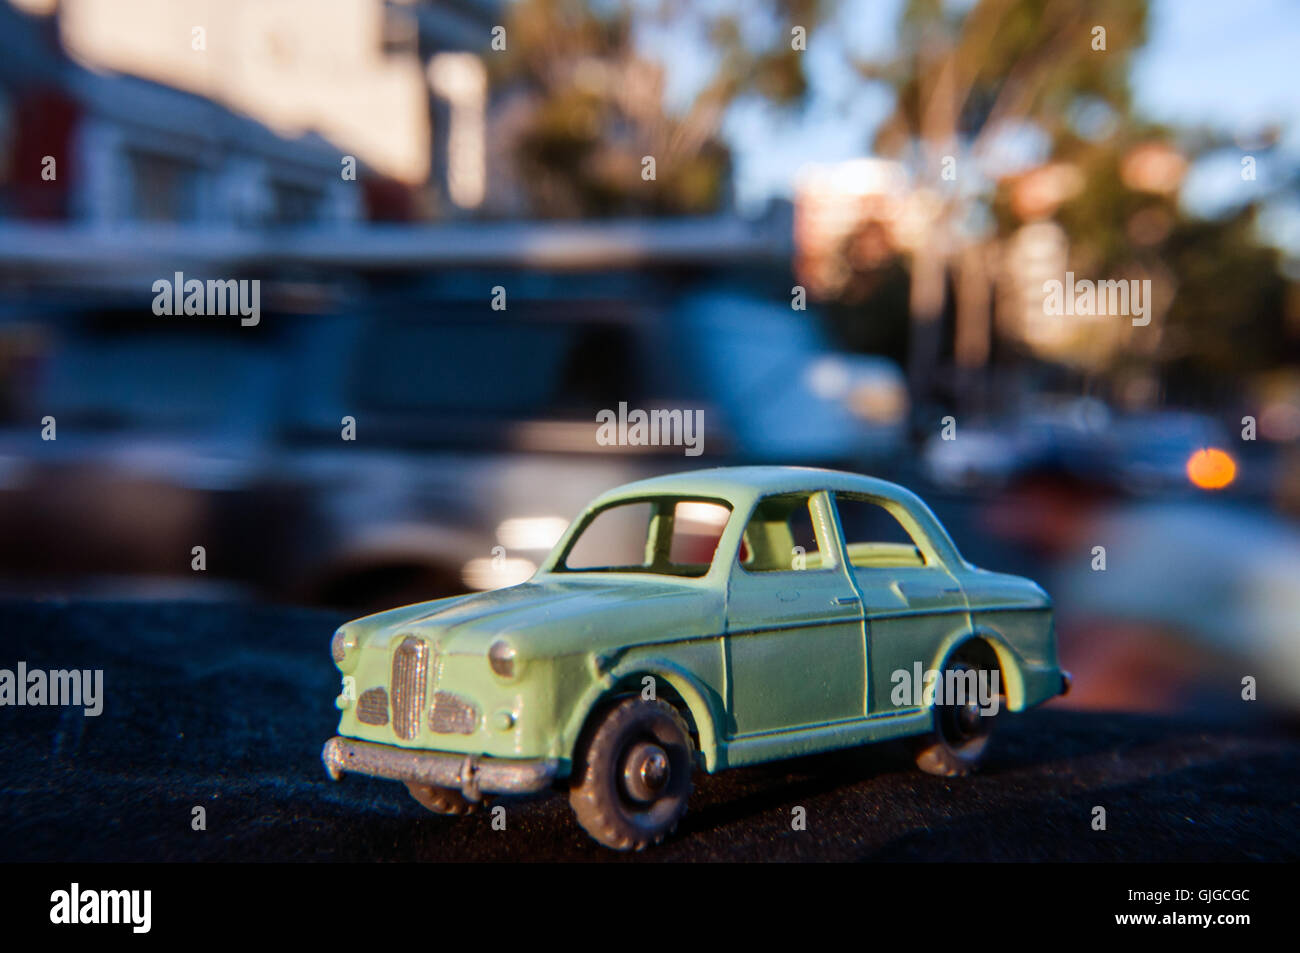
[[670, 536]]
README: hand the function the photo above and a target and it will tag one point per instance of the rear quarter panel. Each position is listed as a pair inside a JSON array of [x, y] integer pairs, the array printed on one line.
[[1015, 615]]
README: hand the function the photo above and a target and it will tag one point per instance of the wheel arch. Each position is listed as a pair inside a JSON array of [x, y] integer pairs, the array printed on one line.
[[673, 684], [1008, 661]]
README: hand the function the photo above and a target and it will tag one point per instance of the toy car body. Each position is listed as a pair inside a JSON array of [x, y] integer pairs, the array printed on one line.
[[708, 619]]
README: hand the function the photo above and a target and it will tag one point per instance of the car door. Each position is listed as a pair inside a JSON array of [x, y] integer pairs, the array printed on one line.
[[795, 642], [910, 600]]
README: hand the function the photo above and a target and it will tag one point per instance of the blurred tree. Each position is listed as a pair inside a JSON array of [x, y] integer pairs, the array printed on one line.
[[965, 76], [596, 108], [1223, 316], [972, 82]]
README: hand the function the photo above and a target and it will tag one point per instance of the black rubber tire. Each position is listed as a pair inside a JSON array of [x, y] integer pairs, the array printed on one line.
[[949, 750], [442, 800], [599, 792]]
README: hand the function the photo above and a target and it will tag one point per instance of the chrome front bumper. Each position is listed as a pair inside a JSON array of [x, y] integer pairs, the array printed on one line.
[[472, 775]]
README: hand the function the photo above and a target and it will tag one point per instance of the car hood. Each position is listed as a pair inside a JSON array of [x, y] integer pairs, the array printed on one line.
[[556, 616]]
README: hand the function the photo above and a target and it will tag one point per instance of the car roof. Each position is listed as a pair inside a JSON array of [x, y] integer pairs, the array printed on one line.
[[740, 485]]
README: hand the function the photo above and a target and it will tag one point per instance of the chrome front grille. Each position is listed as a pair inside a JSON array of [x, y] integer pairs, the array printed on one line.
[[372, 707], [410, 674], [452, 714]]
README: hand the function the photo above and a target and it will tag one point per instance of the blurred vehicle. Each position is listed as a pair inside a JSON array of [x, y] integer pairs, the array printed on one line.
[[784, 393], [131, 443], [1149, 453], [473, 433], [982, 458], [1080, 438], [991, 455], [477, 435]]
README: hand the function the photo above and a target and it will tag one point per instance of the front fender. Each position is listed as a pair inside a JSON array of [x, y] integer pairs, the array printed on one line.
[[687, 687]]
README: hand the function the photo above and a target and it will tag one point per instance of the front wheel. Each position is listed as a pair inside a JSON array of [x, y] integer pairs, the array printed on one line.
[[442, 800], [632, 777], [961, 732]]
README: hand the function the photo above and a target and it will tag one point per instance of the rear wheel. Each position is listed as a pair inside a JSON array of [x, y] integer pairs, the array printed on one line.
[[961, 733], [442, 800], [632, 777]]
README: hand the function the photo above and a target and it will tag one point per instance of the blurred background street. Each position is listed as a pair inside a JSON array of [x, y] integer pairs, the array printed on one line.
[[830, 226]]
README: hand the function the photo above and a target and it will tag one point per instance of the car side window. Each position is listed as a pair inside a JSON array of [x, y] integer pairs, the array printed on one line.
[[874, 537], [784, 534]]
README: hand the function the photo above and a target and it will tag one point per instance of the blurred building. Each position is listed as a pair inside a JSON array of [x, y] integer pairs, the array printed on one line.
[[251, 107], [101, 149]]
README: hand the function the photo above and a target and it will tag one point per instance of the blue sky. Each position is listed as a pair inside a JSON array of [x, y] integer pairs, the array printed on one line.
[[1227, 64]]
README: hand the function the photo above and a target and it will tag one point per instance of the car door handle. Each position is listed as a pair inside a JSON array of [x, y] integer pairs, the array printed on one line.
[[846, 600]]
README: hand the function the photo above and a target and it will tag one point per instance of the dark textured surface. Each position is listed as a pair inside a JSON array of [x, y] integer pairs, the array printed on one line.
[[227, 707]]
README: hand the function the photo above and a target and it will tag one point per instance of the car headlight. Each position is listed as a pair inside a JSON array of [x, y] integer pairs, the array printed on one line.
[[343, 648], [504, 660]]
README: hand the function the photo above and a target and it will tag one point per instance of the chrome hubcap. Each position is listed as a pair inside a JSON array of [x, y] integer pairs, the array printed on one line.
[[646, 772]]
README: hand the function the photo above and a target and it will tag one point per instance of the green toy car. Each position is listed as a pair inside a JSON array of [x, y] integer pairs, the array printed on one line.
[[707, 619]]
